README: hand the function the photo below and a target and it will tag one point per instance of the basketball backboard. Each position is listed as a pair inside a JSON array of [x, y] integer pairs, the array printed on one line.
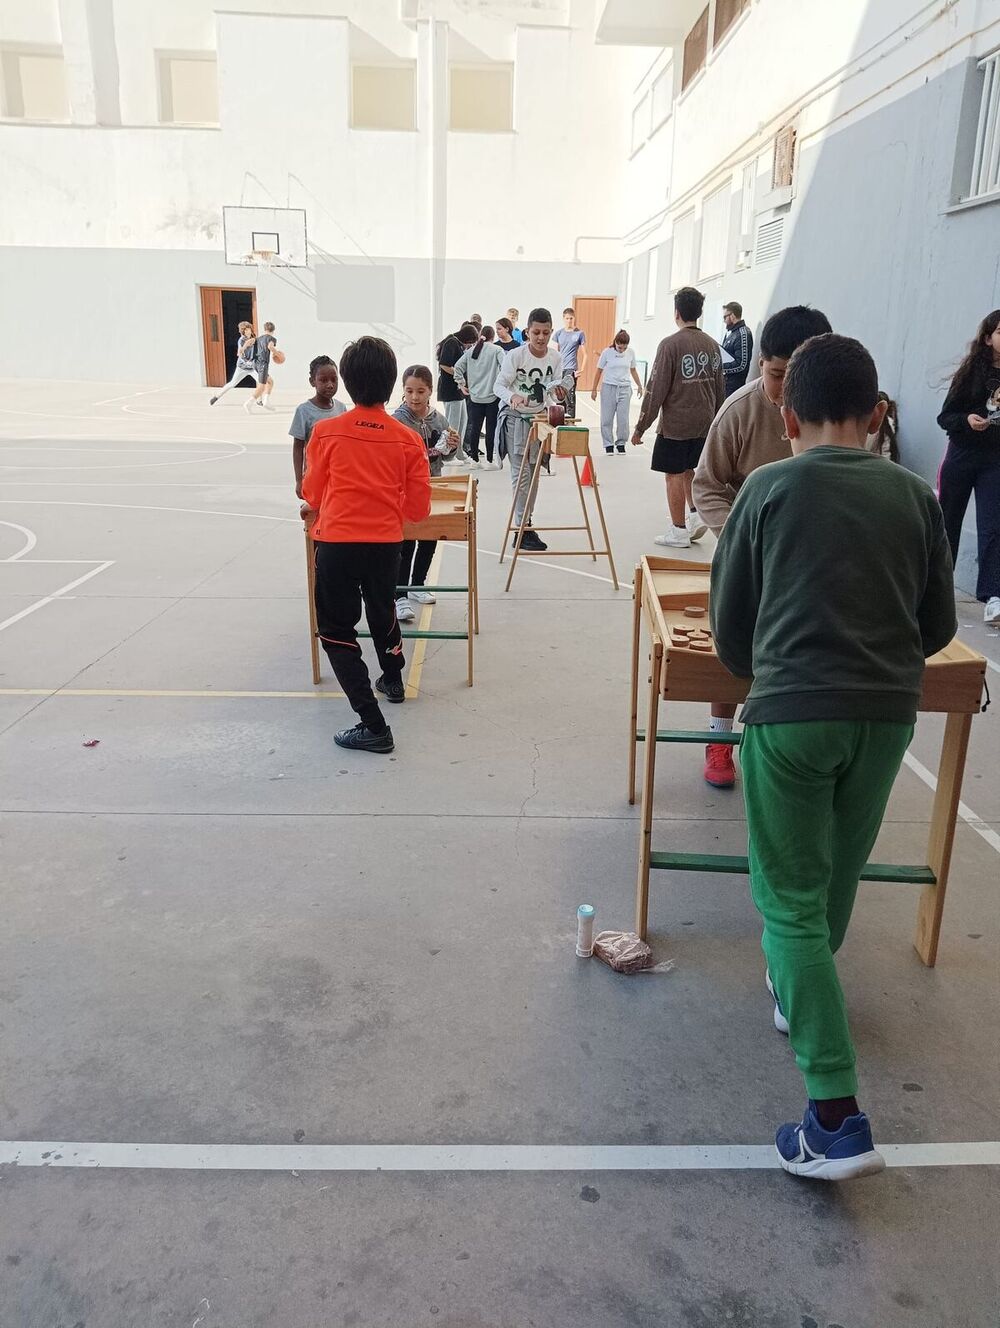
[[280, 232]]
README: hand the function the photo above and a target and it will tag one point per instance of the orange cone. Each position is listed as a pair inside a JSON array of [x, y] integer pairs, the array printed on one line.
[[585, 477]]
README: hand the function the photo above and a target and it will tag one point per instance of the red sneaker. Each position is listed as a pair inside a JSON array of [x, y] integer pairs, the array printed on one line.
[[720, 771]]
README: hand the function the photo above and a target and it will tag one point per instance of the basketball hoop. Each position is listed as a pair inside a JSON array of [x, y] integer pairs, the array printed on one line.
[[262, 259]]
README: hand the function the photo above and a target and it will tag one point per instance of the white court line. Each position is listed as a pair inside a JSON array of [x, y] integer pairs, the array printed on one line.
[[966, 813], [463, 1157], [56, 594], [31, 539], [128, 396], [135, 507], [139, 465]]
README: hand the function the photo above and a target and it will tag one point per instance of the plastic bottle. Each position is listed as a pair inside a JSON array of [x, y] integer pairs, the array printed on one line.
[[585, 931]]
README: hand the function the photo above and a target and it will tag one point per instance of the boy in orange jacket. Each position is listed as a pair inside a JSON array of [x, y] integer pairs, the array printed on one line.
[[366, 475]]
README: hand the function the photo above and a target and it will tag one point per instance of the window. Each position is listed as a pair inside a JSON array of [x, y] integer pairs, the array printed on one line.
[[748, 197], [695, 49], [482, 99], [33, 84], [629, 273], [652, 271], [715, 232], [770, 236], [726, 14], [784, 158], [189, 88], [986, 157], [640, 122], [682, 256], [383, 96], [662, 97]]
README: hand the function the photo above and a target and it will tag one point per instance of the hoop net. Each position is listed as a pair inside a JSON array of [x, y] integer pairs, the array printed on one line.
[[260, 258]]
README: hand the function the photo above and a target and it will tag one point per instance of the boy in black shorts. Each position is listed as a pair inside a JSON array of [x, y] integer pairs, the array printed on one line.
[[686, 388]]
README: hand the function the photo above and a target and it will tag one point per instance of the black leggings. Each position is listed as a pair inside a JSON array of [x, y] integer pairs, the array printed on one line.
[[413, 570], [480, 412], [964, 471], [347, 576]]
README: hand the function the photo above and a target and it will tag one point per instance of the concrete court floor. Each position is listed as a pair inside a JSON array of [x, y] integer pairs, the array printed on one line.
[[218, 929]]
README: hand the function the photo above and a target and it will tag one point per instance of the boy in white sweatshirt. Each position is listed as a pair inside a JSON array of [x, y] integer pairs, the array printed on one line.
[[530, 379]]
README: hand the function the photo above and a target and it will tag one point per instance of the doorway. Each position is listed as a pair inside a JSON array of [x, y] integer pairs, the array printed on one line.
[[595, 316], [223, 308]]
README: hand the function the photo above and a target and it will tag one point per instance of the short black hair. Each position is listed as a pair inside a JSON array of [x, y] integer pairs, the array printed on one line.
[[320, 362], [785, 331], [689, 303], [831, 379], [735, 308], [468, 334], [539, 315], [369, 369]]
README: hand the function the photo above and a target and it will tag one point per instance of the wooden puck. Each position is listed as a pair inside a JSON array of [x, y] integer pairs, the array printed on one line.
[[704, 646], [694, 611]]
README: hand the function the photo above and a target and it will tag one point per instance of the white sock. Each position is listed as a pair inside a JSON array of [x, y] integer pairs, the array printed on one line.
[[265, 398], [718, 724]]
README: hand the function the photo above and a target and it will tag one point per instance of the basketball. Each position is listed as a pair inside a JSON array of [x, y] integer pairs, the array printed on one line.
[[278, 356]]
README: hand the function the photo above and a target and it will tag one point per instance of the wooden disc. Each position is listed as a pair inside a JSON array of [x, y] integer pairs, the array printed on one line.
[[694, 611], [705, 646]]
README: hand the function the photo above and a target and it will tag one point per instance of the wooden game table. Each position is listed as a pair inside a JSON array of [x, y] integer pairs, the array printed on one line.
[[685, 667], [454, 502]]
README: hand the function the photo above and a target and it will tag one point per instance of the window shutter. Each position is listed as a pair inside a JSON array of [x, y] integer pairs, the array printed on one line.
[[784, 157]]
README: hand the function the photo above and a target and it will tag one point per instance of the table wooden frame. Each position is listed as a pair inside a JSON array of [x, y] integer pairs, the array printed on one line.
[[953, 684], [569, 440], [453, 516]]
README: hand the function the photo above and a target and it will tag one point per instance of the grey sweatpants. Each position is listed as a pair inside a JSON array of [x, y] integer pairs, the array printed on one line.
[[615, 399], [454, 413], [515, 429]]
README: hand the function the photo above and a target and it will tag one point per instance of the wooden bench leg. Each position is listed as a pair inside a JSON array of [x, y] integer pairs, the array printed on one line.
[[648, 778], [634, 700], [942, 834], [313, 624]]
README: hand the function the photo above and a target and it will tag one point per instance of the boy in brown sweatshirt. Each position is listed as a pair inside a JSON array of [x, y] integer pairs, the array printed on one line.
[[686, 388], [747, 433]]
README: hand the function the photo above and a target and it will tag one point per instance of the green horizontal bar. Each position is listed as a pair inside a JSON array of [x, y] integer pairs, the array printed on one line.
[[416, 635], [435, 590], [691, 735], [885, 872]]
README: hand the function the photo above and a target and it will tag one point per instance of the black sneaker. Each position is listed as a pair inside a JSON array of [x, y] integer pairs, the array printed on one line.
[[609, 451], [361, 739], [532, 542], [213, 400], [392, 689], [621, 447]]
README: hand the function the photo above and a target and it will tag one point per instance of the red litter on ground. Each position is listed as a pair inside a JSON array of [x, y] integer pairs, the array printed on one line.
[[92, 742]]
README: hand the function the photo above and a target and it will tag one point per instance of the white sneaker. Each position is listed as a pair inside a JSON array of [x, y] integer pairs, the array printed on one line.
[[404, 612], [991, 613], [695, 526], [780, 1022], [265, 407], [248, 405], [675, 538], [423, 597]]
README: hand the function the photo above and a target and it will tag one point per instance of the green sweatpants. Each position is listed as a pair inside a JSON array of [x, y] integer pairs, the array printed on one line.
[[815, 795]]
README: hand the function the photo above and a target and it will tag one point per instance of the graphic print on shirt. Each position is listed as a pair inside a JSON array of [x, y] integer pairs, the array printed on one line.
[[533, 384], [698, 367], [993, 406]]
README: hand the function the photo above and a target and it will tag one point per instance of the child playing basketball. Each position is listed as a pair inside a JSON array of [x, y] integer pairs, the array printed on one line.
[[831, 584], [321, 406], [264, 348], [244, 361], [367, 475]]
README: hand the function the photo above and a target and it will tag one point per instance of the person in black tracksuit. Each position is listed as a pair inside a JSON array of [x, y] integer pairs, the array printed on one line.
[[738, 342], [971, 419]]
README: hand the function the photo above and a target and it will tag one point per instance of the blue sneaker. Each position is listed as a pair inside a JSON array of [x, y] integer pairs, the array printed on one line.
[[780, 1022], [809, 1150]]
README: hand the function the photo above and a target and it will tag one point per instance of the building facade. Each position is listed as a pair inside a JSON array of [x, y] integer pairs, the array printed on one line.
[[845, 156], [442, 141]]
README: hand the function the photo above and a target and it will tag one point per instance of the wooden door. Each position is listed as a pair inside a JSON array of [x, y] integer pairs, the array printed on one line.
[[595, 316], [212, 336]]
